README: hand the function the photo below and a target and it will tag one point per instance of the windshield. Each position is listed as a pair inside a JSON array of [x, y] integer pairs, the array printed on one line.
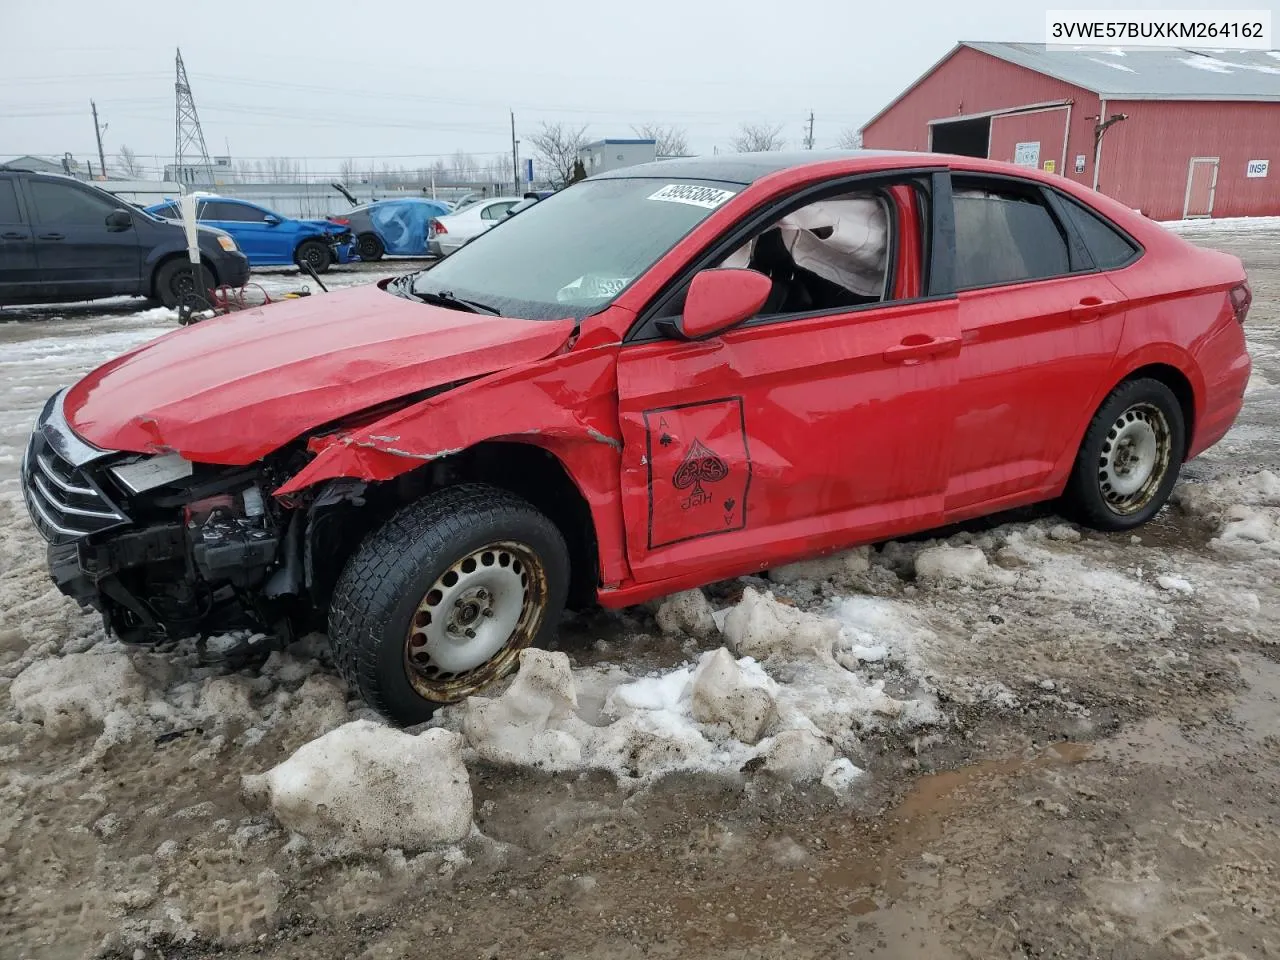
[[574, 252]]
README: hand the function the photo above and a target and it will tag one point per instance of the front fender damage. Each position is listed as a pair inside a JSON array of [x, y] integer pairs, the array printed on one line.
[[567, 405]]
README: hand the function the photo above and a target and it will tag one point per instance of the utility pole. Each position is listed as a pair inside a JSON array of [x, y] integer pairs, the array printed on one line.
[[808, 143], [97, 131], [515, 155]]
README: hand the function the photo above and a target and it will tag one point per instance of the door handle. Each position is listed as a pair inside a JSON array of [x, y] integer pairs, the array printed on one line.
[[14, 236], [916, 348], [52, 236], [1090, 308]]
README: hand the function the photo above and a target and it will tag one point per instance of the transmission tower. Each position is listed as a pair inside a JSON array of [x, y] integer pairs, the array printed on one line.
[[190, 154]]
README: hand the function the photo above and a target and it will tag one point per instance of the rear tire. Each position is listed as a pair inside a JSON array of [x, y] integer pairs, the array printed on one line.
[[1130, 458], [438, 603], [177, 279], [370, 247], [315, 254]]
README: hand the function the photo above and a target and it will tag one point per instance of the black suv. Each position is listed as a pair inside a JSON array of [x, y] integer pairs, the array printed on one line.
[[63, 240]]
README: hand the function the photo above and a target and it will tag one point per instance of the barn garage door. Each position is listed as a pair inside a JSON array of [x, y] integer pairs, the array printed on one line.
[[1035, 138], [1202, 181]]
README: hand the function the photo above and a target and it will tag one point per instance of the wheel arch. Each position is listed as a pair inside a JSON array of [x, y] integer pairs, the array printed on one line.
[[1180, 385], [528, 470]]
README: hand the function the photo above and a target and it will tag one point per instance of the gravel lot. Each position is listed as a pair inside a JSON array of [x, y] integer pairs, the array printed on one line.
[[1087, 764]]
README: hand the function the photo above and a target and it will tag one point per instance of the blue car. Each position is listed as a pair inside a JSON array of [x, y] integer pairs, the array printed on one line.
[[398, 227], [267, 238]]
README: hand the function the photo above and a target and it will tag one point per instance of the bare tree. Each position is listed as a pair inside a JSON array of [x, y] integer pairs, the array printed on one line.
[[670, 141], [463, 166], [758, 138], [347, 171], [128, 162], [279, 169], [850, 139], [557, 146]]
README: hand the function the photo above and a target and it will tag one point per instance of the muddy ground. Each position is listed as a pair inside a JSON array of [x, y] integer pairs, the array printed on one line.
[[1104, 780]]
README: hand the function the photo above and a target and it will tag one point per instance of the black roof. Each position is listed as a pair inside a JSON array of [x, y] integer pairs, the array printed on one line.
[[741, 168]]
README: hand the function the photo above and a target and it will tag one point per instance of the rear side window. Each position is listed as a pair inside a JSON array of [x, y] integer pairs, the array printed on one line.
[[230, 211], [62, 203], [1108, 247], [1005, 237], [169, 212], [8, 203]]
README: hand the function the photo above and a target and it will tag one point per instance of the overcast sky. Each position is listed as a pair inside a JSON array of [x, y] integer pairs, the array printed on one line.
[[320, 79]]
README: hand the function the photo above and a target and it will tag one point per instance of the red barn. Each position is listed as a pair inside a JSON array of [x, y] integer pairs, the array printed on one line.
[[1173, 133]]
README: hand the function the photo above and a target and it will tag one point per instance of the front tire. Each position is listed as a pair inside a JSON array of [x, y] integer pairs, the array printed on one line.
[[179, 279], [370, 247], [315, 254], [1130, 457], [438, 603]]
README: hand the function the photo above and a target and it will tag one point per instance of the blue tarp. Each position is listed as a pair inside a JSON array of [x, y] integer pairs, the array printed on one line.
[[402, 224]]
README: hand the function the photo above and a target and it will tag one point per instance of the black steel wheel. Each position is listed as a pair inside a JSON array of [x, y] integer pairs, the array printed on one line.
[[370, 247], [314, 254], [179, 280]]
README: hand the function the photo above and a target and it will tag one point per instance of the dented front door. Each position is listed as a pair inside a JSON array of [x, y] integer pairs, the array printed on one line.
[[780, 439]]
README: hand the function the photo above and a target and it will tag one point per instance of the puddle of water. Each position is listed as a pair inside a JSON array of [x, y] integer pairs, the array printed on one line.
[[1257, 708]]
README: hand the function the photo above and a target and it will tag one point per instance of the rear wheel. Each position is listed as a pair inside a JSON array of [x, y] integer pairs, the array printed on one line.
[[180, 280], [370, 247], [438, 603], [1130, 457], [315, 254]]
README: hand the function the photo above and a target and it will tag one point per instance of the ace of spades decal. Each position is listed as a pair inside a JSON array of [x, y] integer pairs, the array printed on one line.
[[699, 470]]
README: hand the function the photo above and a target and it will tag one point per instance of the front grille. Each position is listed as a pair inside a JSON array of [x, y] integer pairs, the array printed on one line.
[[65, 505]]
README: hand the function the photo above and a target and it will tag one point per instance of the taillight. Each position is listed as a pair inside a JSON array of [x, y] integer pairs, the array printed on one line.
[[439, 227], [342, 220], [1241, 299]]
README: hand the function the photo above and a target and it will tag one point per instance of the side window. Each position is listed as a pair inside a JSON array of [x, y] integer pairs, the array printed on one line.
[[216, 210], [61, 203], [9, 203], [830, 254], [1005, 236], [1108, 247]]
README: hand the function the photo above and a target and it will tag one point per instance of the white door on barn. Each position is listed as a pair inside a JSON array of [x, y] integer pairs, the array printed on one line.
[[1202, 181]]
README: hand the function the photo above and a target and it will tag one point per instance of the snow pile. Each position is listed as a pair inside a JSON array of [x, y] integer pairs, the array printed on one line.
[[726, 692], [1245, 510], [839, 568], [74, 693], [786, 691], [687, 613], [761, 627], [947, 563], [369, 786]]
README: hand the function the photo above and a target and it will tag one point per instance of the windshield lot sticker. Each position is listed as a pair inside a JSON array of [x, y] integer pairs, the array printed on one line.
[[695, 196], [699, 470]]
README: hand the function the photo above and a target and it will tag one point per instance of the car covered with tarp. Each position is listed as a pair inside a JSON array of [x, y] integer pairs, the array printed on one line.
[[397, 227]]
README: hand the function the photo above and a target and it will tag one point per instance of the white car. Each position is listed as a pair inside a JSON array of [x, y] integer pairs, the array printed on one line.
[[446, 234]]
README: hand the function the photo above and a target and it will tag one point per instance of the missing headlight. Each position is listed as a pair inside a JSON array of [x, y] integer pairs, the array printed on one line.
[[151, 472]]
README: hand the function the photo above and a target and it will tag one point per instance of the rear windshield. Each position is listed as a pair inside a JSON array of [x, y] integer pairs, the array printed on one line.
[[573, 253]]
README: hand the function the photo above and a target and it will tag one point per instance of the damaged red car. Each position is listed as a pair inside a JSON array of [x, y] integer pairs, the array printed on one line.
[[660, 377]]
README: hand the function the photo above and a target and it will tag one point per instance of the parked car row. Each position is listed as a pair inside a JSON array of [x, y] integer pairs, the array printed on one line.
[[267, 238]]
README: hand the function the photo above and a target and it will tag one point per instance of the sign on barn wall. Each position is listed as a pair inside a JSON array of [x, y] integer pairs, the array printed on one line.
[[1079, 163], [1027, 154], [1257, 168]]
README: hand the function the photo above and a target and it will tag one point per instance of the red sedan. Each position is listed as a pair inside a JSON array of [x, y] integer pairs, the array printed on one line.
[[657, 378]]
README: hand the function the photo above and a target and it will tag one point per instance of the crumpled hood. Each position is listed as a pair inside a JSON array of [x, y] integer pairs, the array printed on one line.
[[231, 389]]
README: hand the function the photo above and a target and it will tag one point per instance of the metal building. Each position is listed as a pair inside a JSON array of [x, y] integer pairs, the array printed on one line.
[[605, 155], [1174, 133]]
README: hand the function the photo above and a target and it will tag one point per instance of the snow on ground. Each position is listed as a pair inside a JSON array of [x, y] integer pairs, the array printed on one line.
[[1268, 225]]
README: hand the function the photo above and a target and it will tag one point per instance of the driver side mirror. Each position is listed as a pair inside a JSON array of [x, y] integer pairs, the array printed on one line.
[[118, 220], [271, 220], [717, 300]]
